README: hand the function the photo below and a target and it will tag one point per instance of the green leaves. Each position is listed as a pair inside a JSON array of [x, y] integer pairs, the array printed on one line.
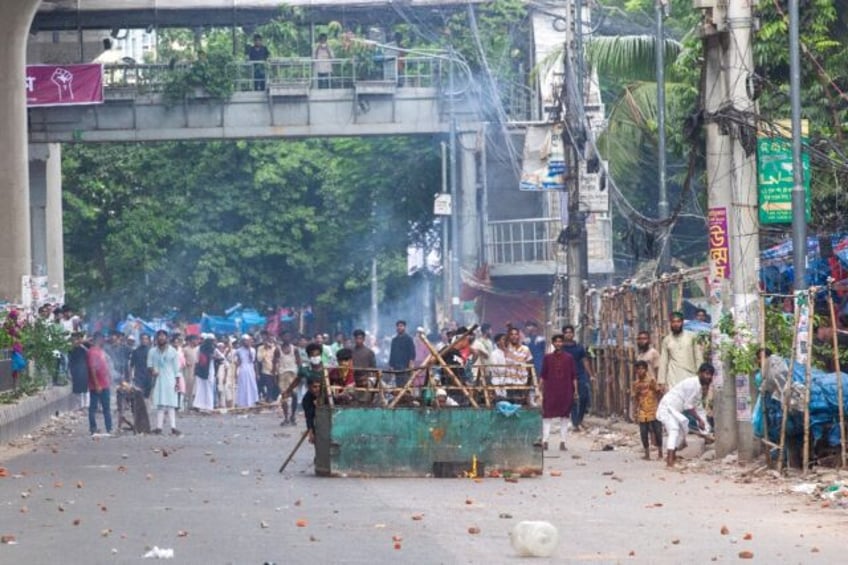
[[200, 226]]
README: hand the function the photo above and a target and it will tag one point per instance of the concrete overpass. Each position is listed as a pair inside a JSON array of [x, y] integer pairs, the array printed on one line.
[[136, 109], [106, 14]]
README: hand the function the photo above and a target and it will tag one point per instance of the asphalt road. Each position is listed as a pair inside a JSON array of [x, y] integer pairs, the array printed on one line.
[[214, 496]]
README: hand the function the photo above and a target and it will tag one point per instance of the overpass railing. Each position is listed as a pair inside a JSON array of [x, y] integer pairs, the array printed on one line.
[[247, 76], [522, 241]]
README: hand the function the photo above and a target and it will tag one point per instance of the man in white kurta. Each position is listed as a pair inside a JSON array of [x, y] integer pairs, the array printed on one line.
[[679, 355], [164, 365], [683, 398]]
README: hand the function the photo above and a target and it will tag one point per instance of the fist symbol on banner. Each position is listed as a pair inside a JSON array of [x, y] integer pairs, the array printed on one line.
[[63, 79]]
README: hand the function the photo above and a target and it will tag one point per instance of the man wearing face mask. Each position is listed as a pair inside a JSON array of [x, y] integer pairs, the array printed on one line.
[[313, 372]]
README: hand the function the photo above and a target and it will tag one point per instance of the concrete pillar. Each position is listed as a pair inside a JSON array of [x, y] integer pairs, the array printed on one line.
[[744, 219], [469, 215], [720, 198], [14, 177], [38, 155], [45, 197], [54, 225]]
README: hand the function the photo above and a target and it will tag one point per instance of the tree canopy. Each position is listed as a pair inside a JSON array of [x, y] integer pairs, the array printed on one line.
[[200, 226]]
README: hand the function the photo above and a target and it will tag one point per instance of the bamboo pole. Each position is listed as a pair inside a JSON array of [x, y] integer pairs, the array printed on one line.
[[434, 355], [619, 347], [838, 369], [762, 332], [678, 304], [787, 389], [327, 388], [450, 372], [807, 381], [381, 389]]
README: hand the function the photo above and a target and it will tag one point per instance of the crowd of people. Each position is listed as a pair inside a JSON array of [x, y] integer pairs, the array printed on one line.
[[280, 368]]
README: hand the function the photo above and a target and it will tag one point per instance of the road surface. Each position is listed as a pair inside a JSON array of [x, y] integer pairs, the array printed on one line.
[[214, 496]]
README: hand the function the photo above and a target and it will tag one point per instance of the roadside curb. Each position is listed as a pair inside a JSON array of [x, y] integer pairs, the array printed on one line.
[[32, 411]]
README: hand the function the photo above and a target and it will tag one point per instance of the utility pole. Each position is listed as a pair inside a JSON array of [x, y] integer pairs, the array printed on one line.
[[446, 255], [732, 190], [719, 197], [744, 219], [799, 217], [454, 235], [375, 309], [662, 207], [576, 252]]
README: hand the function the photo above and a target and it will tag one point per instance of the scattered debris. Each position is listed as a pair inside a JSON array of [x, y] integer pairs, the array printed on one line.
[[724, 530], [746, 554], [534, 538], [8, 539], [159, 553], [805, 488]]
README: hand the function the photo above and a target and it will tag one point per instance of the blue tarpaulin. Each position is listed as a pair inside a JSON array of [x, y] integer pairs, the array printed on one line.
[[824, 408], [238, 321], [778, 276]]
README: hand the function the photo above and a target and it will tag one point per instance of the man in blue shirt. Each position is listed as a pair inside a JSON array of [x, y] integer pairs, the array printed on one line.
[[536, 344], [584, 377]]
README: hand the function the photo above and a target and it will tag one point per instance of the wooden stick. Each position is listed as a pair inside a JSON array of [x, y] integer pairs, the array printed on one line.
[[293, 451], [787, 388], [838, 369], [807, 380], [679, 302], [762, 332], [445, 367], [434, 355], [482, 382], [329, 390], [380, 388]]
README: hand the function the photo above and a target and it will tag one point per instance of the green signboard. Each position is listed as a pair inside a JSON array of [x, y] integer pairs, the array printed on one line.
[[774, 179]]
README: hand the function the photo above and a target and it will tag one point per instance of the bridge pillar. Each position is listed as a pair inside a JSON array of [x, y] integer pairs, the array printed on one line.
[[469, 216], [14, 177], [45, 197]]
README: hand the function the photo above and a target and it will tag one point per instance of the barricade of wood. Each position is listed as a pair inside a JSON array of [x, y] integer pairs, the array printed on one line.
[[614, 317], [478, 386]]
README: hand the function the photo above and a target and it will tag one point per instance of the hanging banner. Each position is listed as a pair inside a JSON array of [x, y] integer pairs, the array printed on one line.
[[543, 165], [719, 242], [64, 85]]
